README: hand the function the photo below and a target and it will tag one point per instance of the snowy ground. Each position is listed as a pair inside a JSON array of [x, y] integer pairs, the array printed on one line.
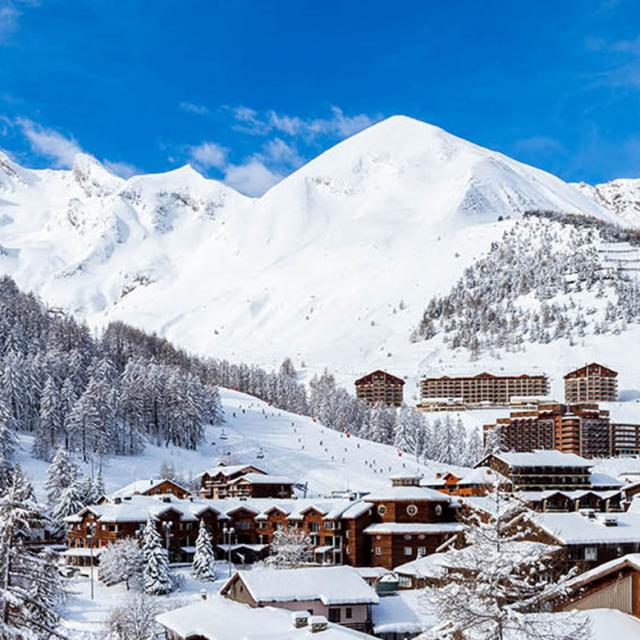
[[293, 445]]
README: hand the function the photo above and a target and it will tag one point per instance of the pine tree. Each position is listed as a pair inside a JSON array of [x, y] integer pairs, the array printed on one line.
[[8, 443], [69, 503], [62, 473], [156, 576], [203, 567], [29, 584], [122, 561]]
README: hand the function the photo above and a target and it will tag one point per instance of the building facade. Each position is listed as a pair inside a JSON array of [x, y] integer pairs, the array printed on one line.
[[583, 429], [380, 386], [591, 383], [484, 389]]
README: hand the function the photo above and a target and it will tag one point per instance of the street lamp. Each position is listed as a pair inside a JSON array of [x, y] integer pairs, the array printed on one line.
[[91, 530], [228, 533]]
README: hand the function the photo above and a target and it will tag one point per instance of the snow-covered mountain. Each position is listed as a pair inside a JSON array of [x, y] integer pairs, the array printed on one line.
[[620, 196], [333, 266]]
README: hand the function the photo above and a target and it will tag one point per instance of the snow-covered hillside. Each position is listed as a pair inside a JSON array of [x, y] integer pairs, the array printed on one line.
[[288, 444], [620, 196], [333, 266]]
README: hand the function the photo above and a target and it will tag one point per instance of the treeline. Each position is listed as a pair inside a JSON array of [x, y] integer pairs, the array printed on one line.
[[529, 289], [95, 395]]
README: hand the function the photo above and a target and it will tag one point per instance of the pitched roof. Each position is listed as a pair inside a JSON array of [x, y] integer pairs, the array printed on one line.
[[330, 585], [576, 528], [142, 486], [222, 619], [631, 560], [582, 370], [541, 458], [425, 528], [259, 478], [367, 377], [407, 493]]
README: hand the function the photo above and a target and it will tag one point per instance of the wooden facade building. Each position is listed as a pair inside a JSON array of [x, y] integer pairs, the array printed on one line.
[[380, 386], [591, 383]]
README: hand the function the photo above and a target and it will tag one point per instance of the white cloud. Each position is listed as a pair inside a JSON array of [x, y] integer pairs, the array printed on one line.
[[252, 178], [192, 107], [280, 152], [122, 169], [336, 125], [10, 12], [208, 155], [50, 143]]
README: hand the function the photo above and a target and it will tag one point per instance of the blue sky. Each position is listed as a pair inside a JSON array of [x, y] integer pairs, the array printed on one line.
[[248, 90]]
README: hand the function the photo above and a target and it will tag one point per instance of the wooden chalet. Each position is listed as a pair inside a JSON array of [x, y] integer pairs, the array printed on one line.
[[591, 383]]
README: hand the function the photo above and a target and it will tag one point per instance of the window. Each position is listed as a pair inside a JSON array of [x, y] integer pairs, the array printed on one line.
[[407, 537], [378, 551], [382, 509], [348, 613], [412, 510], [422, 551], [438, 509], [329, 525], [591, 553], [313, 526], [334, 614], [408, 551]]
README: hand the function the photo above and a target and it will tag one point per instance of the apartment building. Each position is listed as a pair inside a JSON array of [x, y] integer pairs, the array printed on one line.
[[484, 389], [591, 383], [380, 386]]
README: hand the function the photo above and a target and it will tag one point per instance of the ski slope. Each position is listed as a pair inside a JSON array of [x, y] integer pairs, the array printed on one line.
[[294, 446]]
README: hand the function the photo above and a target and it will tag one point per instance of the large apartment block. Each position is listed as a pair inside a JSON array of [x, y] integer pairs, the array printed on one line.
[[583, 429], [484, 389], [591, 383], [380, 386]]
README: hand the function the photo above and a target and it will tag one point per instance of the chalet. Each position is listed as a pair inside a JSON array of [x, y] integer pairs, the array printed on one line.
[[588, 538], [540, 470], [380, 386], [337, 593], [241, 529], [479, 482], [162, 486], [591, 383], [260, 485], [422, 572], [214, 483], [217, 618], [612, 585], [409, 521]]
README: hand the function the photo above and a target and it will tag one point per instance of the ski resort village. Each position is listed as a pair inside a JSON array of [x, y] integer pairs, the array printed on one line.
[[319, 321]]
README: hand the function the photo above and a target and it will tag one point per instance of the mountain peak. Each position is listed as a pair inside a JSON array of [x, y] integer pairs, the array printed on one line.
[[93, 177]]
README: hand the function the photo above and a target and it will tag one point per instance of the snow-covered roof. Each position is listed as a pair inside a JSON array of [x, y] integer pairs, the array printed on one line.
[[407, 494], [631, 560], [371, 573], [137, 508], [330, 585], [535, 496], [576, 528], [394, 615], [542, 458], [430, 566], [259, 478], [222, 619], [141, 486], [604, 480], [483, 476], [425, 528], [228, 470]]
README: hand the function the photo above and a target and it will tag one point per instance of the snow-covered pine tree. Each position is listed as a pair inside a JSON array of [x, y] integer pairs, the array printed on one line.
[[122, 561], [203, 567], [290, 548], [495, 586], [51, 421], [62, 473], [29, 585], [69, 503], [156, 576], [8, 443]]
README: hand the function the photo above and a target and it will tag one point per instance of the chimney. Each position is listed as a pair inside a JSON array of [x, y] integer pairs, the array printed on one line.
[[318, 623], [300, 619], [610, 521], [203, 594], [117, 501]]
